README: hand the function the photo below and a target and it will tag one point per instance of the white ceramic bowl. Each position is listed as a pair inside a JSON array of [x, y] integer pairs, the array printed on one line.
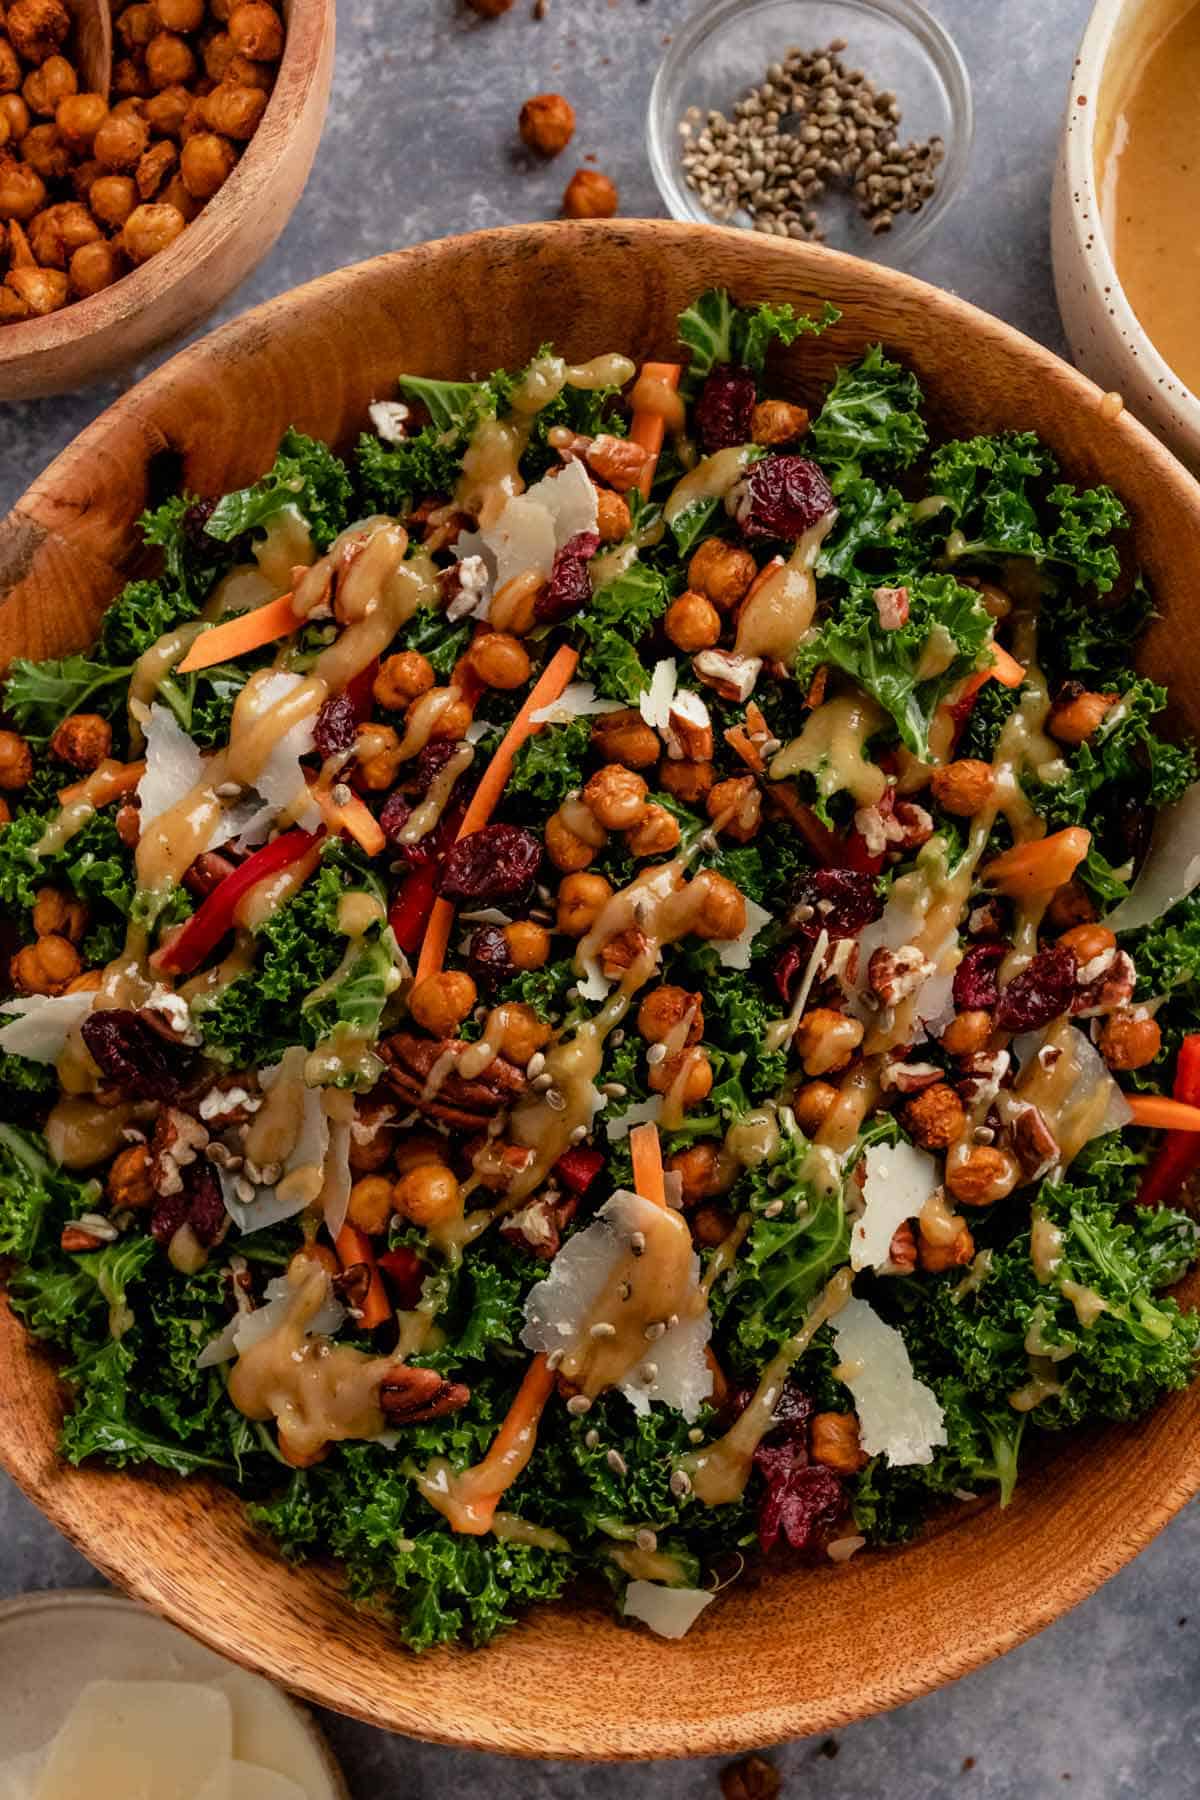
[[1105, 336]]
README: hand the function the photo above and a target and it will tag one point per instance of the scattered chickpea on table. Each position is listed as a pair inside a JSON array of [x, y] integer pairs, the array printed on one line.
[[93, 185]]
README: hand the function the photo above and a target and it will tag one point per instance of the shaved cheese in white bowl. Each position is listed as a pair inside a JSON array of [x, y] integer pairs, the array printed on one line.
[[899, 1181], [898, 1416], [669, 1612], [42, 1024]]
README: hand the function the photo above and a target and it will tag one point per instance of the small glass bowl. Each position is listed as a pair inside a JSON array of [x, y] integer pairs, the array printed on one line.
[[726, 48]]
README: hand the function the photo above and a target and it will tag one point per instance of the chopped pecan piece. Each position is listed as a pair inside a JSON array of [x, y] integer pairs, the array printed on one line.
[[411, 1396], [467, 1104]]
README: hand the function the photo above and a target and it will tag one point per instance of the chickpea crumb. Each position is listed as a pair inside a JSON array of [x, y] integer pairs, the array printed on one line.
[[547, 123], [589, 195]]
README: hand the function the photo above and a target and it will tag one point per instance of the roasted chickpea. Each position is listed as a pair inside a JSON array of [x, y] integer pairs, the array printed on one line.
[[692, 622], [702, 1169], [1077, 714], [963, 788], [656, 832], [417, 1150], [1071, 905], [1088, 942], [427, 1195], [10, 68], [735, 808], [935, 1118], [233, 111], [812, 1105], [82, 741], [523, 1032], [581, 900], [403, 677], [1129, 1040], [528, 944], [688, 1076], [778, 422], [79, 117], [966, 1033], [137, 25], [16, 762], [250, 74], [15, 114], [616, 796], [664, 1010], [834, 1441], [128, 1184], [378, 753], [547, 123], [257, 31], [179, 15], [440, 1003], [589, 195], [625, 737], [56, 234], [206, 163], [22, 190], [372, 1138], [722, 571], [121, 141], [112, 198], [826, 1040], [170, 61], [43, 151], [176, 195], [45, 967], [59, 914], [166, 112], [711, 1225], [130, 80], [573, 836], [156, 167], [621, 951], [320, 1255], [500, 660], [954, 1253], [722, 912], [83, 175], [613, 517], [88, 983], [451, 723], [687, 780], [980, 1174], [37, 28], [43, 89], [370, 1206]]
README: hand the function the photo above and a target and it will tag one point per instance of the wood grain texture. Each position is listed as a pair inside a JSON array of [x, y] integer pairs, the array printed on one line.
[[93, 44], [175, 290], [803, 1652]]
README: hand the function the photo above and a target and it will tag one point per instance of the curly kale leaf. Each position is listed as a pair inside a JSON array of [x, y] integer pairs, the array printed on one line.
[[1092, 643], [890, 1504], [549, 764], [948, 630], [873, 538], [142, 613], [620, 616], [36, 1197], [1124, 752], [305, 475], [1167, 953], [996, 492], [872, 413], [436, 638], [39, 695], [716, 330]]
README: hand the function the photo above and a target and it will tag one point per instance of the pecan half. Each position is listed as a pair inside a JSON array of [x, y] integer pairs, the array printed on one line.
[[410, 1396], [469, 1104]]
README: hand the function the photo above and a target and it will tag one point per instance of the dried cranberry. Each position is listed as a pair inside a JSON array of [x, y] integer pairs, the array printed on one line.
[[195, 520], [793, 1410], [489, 958], [975, 986], [206, 1209], [131, 1054], [1134, 822], [578, 1168], [570, 586], [394, 816], [170, 1212], [839, 901], [799, 1501], [788, 970], [1039, 993], [430, 762], [337, 726], [724, 412], [782, 497], [499, 862]]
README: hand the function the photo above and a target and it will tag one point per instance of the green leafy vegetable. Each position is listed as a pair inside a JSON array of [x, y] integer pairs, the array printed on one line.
[[871, 413], [716, 330], [549, 764], [305, 475], [621, 614]]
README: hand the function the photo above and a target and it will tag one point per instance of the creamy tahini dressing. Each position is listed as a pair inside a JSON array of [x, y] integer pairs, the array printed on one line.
[[832, 748], [779, 610]]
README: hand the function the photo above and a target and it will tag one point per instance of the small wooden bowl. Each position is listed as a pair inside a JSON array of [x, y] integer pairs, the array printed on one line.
[[175, 290], [798, 1652]]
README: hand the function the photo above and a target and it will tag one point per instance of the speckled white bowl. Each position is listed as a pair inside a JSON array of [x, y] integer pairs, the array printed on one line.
[[1105, 335]]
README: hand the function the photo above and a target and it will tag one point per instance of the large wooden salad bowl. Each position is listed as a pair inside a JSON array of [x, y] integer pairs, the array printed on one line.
[[801, 1652]]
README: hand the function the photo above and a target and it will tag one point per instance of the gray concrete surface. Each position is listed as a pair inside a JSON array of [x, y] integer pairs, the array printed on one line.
[[420, 143]]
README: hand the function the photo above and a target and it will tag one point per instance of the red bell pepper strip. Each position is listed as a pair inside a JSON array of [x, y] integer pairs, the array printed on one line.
[[411, 906], [211, 920], [578, 1168], [1178, 1155]]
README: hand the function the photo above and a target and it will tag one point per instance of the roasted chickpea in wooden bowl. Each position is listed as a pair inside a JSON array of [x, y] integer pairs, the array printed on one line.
[[814, 1644], [127, 216]]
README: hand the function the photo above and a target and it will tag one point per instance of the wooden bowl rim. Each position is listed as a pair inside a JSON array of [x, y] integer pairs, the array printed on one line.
[[752, 1719], [230, 212]]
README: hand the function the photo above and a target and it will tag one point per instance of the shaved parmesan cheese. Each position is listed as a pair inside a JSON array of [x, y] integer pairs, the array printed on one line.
[[898, 1416], [532, 526], [669, 1612], [735, 952], [642, 1112], [899, 1182], [42, 1024], [389, 417], [1171, 870], [1078, 1104], [174, 764], [246, 1781], [655, 704], [578, 700], [251, 1328], [338, 1180], [523, 538], [672, 1368], [182, 1730], [280, 782], [302, 1177], [571, 500], [266, 1732]]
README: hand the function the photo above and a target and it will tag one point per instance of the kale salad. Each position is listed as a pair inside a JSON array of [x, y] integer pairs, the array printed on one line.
[[604, 989]]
